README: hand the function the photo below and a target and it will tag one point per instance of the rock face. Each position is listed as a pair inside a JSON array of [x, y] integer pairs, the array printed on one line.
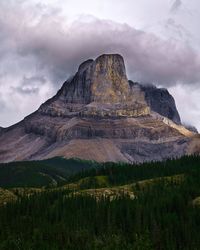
[[102, 81], [159, 100], [100, 88], [99, 115], [191, 128]]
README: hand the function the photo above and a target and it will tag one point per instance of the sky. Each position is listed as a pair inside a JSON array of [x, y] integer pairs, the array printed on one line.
[[42, 43]]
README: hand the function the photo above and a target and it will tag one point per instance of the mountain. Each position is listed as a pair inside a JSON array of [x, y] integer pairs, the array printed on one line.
[[99, 115]]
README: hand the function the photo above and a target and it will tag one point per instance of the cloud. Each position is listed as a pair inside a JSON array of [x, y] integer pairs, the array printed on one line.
[[187, 101], [176, 6], [30, 85], [2, 104], [40, 49], [56, 49]]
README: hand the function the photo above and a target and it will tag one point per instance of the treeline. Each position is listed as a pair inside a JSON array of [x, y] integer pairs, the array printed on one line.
[[163, 216], [124, 173], [59, 171], [51, 172]]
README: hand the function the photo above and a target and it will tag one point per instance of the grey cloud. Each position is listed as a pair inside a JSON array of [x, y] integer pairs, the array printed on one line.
[[176, 5], [33, 79], [27, 91], [57, 48], [2, 104], [30, 85], [187, 101], [178, 29]]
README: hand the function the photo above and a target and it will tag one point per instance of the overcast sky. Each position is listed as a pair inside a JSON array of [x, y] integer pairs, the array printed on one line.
[[43, 42]]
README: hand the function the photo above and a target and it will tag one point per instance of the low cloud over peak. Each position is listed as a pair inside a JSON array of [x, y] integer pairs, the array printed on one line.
[[58, 50], [43, 46], [57, 47]]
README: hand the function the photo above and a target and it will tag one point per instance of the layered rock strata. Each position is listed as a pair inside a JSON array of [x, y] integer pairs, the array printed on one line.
[[99, 115]]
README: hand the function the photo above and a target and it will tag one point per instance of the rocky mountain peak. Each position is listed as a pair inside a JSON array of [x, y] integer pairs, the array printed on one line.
[[110, 65], [109, 80], [85, 65], [102, 80], [99, 88], [99, 115]]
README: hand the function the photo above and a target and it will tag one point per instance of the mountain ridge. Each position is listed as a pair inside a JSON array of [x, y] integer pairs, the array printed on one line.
[[98, 114]]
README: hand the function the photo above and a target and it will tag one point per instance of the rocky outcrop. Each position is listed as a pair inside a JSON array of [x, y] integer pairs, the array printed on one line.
[[99, 88], [159, 100], [109, 80], [103, 81], [191, 128], [99, 115]]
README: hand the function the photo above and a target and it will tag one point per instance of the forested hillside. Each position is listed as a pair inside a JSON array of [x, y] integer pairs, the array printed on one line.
[[48, 173], [163, 212]]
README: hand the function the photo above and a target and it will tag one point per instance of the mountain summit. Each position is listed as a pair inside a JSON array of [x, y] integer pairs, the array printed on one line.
[[99, 114], [103, 81], [99, 88]]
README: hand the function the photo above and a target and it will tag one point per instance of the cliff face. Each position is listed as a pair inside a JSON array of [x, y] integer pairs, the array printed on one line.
[[102, 81], [100, 88], [99, 115], [159, 100]]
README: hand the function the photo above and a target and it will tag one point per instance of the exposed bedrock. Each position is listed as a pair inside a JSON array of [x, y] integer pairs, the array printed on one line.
[[99, 115]]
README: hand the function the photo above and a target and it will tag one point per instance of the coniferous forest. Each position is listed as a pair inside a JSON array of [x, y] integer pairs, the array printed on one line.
[[163, 212]]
